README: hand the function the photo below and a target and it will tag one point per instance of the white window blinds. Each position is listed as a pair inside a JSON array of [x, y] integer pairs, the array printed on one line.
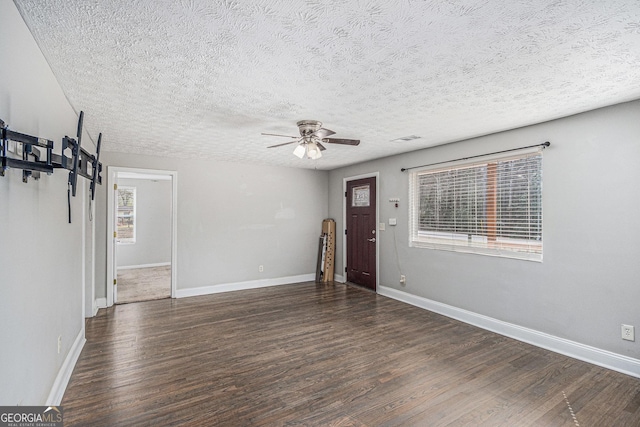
[[492, 207]]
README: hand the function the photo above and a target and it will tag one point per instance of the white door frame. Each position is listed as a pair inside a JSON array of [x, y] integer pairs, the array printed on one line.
[[111, 180], [375, 175]]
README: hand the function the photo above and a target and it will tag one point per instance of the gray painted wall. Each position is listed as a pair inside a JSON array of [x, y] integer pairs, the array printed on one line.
[[153, 224], [231, 219], [41, 254], [587, 285]]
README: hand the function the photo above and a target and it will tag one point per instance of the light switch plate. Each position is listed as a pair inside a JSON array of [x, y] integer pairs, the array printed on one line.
[[381, 226], [392, 221]]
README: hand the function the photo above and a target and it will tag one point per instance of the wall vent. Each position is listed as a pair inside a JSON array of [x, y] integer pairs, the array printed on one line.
[[406, 138]]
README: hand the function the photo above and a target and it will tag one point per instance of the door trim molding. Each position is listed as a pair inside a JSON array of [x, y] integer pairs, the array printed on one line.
[[375, 175], [111, 179]]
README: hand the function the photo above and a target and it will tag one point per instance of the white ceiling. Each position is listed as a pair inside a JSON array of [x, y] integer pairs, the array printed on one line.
[[203, 79]]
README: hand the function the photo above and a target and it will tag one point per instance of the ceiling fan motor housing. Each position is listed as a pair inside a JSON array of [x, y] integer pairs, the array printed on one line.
[[307, 127]]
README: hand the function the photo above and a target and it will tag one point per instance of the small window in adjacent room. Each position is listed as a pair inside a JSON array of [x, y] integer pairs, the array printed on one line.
[[493, 207], [126, 215]]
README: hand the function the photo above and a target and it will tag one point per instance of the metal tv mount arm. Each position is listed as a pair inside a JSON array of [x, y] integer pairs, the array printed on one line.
[[73, 157], [79, 160], [30, 162]]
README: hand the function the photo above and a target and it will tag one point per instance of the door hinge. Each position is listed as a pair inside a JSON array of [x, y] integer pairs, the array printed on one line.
[[115, 234], [115, 282], [115, 186], [345, 231], [345, 194], [345, 269]]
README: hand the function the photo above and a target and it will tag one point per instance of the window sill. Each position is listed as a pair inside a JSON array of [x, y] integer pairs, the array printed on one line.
[[501, 252]]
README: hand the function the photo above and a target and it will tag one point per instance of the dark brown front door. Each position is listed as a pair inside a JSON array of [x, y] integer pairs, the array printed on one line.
[[361, 232]]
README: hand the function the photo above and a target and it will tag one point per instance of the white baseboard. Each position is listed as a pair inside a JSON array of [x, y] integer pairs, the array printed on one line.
[[339, 278], [131, 267], [240, 286], [64, 374], [596, 356], [100, 303]]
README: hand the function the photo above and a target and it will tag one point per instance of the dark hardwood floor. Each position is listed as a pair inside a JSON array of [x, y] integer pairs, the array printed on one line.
[[313, 354]]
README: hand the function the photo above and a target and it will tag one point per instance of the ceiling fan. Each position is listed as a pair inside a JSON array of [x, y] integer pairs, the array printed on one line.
[[312, 136]]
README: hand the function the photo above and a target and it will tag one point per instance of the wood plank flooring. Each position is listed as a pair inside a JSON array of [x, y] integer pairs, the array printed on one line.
[[143, 284], [326, 354]]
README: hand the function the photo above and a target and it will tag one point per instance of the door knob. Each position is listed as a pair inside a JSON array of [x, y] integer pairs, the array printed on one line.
[[373, 239]]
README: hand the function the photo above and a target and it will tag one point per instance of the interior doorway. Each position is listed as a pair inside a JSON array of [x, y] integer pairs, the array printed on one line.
[[142, 230], [361, 238]]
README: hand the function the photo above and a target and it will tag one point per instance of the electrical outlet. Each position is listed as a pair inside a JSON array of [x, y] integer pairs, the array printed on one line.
[[261, 268], [628, 333], [403, 279], [59, 343]]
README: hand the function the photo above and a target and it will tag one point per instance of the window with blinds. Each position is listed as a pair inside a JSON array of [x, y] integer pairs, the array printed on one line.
[[493, 207]]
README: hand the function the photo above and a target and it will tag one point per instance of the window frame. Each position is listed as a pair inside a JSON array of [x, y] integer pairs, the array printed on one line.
[[524, 249], [127, 240]]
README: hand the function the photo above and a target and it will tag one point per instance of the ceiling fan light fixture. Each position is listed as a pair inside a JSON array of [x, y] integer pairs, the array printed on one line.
[[300, 150], [313, 151]]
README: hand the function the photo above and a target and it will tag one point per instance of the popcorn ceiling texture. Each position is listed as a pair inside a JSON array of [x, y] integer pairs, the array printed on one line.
[[197, 78]]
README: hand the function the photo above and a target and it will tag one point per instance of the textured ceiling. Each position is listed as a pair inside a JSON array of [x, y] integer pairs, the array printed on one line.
[[197, 78]]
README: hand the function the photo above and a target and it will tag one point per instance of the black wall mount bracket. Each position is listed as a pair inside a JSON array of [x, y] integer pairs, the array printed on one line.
[[28, 156], [22, 151]]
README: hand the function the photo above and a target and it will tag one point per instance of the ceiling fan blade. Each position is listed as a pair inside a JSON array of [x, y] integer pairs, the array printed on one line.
[[284, 143], [323, 133], [320, 146], [342, 141], [275, 134]]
